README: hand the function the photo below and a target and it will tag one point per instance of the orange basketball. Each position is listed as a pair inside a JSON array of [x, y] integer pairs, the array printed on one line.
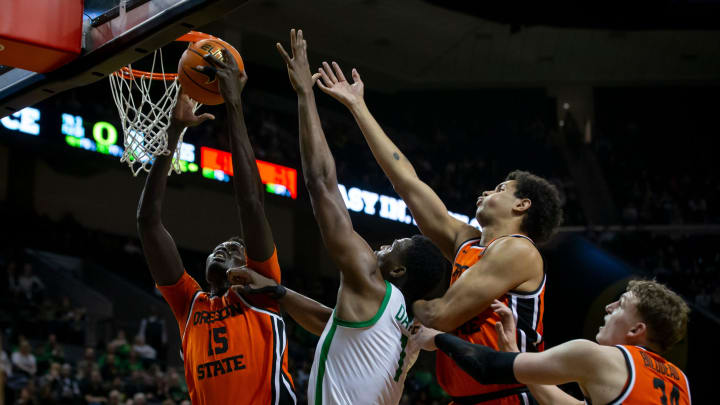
[[203, 86]]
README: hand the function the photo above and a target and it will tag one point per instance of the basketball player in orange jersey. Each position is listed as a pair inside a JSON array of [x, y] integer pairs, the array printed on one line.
[[501, 261], [234, 349], [624, 366]]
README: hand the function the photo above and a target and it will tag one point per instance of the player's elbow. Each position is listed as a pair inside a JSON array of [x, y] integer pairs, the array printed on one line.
[[146, 220], [317, 184]]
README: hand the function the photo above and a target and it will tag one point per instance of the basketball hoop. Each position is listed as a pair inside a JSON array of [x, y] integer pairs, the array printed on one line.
[[145, 121]]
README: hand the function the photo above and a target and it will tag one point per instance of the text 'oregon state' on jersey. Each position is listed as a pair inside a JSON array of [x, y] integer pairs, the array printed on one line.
[[528, 309], [652, 380], [234, 352]]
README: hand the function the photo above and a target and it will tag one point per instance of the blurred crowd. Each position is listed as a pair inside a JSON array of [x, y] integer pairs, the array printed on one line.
[[44, 360], [687, 263]]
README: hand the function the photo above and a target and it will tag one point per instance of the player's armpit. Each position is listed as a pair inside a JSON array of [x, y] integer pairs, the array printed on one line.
[[506, 265]]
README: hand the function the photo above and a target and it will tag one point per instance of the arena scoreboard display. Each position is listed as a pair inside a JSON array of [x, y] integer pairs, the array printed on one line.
[[104, 137]]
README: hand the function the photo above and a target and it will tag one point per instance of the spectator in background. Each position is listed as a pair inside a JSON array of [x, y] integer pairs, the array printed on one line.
[[71, 321], [115, 398], [5, 370], [29, 285], [134, 362], [144, 350], [23, 360], [86, 365], [139, 399], [153, 331], [93, 389], [120, 344], [111, 367], [69, 390], [52, 352]]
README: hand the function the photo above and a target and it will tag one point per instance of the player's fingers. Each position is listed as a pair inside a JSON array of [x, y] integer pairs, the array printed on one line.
[[322, 87], [338, 72], [228, 59], [283, 53], [214, 61], [293, 38], [329, 73], [325, 78], [299, 37], [315, 78], [500, 330], [206, 116], [356, 76]]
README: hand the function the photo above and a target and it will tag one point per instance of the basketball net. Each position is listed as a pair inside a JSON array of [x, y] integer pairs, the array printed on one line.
[[145, 121]]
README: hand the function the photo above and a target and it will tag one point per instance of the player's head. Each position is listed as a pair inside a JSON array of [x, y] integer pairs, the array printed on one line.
[[647, 314], [226, 255], [524, 197], [415, 265]]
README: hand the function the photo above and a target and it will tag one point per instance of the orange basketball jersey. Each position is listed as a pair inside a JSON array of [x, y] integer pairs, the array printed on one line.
[[234, 351], [528, 309], [652, 380]]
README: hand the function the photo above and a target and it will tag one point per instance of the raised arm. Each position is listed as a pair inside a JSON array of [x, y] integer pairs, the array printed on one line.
[[307, 312], [348, 250], [159, 247], [248, 187], [428, 210], [507, 264]]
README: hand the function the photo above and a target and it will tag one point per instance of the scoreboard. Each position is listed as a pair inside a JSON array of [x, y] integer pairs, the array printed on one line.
[[103, 137]]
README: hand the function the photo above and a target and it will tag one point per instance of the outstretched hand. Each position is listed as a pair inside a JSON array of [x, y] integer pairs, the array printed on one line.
[[506, 329], [298, 66], [231, 79], [333, 82], [184, 112]]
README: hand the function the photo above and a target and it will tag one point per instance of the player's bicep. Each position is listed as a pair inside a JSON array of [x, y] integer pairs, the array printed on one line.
[[569, 362], [486, 280]]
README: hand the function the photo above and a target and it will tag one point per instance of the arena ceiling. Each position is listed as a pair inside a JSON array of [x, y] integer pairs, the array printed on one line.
[[407, 44]]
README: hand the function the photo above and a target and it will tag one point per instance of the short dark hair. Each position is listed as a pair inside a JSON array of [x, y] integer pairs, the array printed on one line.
[[237, 239], [664, 312], [425, 265], [545, 213]]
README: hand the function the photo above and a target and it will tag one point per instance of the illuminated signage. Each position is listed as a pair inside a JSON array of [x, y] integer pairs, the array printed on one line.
[[394, 209], [278, 179], [25, 121]]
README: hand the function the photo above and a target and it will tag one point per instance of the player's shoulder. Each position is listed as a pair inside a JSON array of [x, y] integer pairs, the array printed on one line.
[[516, 249]]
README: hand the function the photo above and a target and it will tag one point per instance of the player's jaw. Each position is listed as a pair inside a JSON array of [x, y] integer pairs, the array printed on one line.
[[225, 256]]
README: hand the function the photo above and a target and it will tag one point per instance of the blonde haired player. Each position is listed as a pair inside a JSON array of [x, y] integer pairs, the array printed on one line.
[[625, 366]]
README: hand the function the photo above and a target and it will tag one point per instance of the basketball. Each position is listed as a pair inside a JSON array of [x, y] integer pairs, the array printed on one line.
[[202, 86]]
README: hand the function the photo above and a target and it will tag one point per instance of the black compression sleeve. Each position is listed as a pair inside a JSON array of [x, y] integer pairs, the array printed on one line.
[[484, 364]]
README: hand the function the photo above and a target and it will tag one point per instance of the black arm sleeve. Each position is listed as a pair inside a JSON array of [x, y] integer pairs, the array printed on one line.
[[484, 364]]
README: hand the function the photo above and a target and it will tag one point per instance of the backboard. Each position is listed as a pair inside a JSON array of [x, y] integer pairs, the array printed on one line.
[[115, 33]]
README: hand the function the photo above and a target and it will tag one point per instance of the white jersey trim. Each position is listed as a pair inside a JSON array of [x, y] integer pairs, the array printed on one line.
[[631, 377]]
